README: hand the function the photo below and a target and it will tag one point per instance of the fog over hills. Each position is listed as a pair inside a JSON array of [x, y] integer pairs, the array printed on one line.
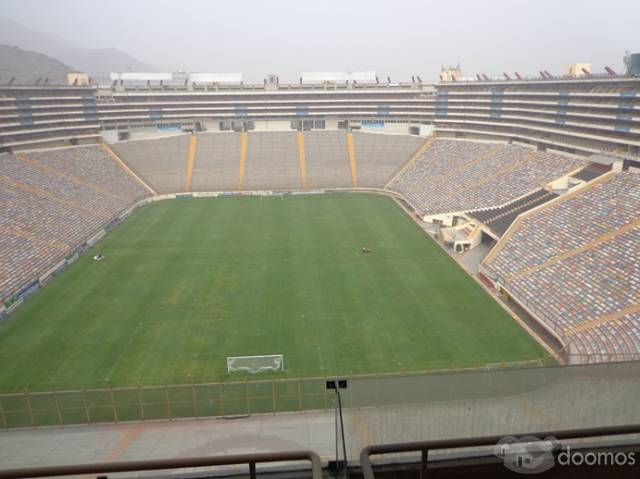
[[98, 63], [27, 67]]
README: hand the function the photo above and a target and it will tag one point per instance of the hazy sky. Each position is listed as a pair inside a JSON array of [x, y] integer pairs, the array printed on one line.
[[397, 38]]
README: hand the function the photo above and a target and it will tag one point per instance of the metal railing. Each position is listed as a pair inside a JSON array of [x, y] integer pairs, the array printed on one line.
[[316, 466], [162, 464], [144, 403], [28, 409], [424, 447]]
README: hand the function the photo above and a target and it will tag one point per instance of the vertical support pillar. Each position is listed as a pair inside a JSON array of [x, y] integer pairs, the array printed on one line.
[[195, 400], [246, 393], [3, 418], [351, 149], [29, 408], [244, 149], [191, 159], [140, 403], [273, 394], [86, 406], [166, 398], [113, 405], [424, 458], [57, 403], [303, 160]]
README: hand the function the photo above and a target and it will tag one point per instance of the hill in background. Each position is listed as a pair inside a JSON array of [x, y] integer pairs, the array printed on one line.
[[28, 66], [98, 63]]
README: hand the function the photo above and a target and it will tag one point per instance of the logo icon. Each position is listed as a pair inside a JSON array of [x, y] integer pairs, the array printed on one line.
[[527, 454]]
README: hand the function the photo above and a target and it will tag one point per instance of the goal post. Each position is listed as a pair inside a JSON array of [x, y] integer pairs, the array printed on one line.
[[255, 364]]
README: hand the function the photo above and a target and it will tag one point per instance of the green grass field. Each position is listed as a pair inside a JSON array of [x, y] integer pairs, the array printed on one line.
[[188, 282]]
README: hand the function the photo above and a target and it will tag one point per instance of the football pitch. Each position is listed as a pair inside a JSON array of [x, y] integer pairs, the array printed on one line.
[[187, 282]]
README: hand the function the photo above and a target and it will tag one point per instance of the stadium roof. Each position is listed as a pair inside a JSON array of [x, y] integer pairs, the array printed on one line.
[[317, 77]]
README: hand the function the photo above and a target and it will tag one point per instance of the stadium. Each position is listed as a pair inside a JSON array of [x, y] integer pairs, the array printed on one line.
[[180, 246]]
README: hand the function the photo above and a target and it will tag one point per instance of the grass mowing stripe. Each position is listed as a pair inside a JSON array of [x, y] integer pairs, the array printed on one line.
[[188, 282]]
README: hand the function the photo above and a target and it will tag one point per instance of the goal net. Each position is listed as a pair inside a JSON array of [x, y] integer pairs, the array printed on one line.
[[255, 364]]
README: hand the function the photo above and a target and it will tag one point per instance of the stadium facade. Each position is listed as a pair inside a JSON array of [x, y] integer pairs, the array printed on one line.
[[582, 115]]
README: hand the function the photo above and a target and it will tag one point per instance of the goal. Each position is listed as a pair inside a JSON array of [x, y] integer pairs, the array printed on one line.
[[255, 364]]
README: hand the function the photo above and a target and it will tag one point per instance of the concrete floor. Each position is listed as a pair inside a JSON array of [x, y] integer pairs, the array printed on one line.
[[168, 439]]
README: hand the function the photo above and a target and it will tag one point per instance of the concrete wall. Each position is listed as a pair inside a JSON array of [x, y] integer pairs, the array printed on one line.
[[146, 133], [331, 124], [110, 136], [212, 125], [273, 125], [397, 128]]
